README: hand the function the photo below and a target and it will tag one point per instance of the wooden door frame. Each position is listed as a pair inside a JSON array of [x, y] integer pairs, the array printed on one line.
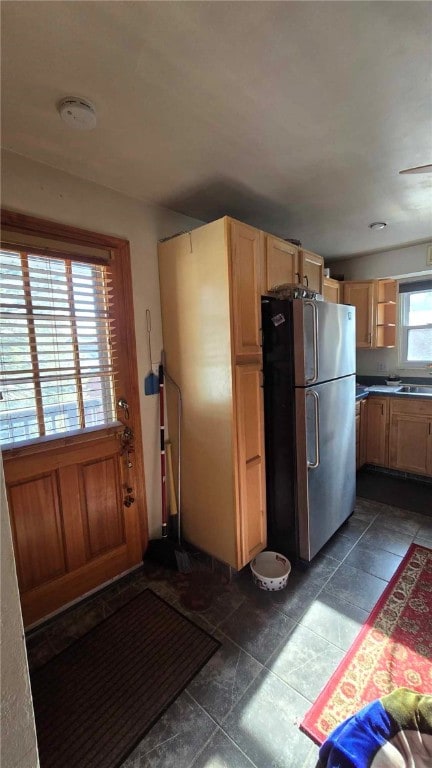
[[120, 251]]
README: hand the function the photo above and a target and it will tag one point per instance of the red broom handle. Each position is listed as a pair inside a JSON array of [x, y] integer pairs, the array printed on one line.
[[162, 452]]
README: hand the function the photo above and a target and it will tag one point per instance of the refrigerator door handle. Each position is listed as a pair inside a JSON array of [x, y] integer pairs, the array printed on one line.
[[314, 464], [312, 304]]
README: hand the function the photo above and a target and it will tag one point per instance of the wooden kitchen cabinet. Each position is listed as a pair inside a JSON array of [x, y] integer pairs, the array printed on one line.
[[332, 290], [360, 411], [285, 263], [375, 303], [211, 281], [376, 435], [410, 435], [362, 296], [281, 262], [311, 268]]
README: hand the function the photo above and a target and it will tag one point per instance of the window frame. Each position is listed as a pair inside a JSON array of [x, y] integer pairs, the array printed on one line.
[[122, 306], [404, 328]]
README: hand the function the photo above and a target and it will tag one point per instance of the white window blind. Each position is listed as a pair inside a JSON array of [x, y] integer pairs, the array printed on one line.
[[57, 346]]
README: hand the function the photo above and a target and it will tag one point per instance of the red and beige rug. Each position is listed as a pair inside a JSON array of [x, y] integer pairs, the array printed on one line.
[[392, 650]]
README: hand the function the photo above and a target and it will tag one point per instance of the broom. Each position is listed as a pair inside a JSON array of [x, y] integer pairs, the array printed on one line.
[[164, 551]]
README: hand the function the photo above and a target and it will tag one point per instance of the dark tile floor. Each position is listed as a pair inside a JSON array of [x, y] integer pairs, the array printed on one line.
[[278, 649]]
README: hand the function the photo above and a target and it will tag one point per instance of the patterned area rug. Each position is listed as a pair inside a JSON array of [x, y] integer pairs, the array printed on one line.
[[392, 650]]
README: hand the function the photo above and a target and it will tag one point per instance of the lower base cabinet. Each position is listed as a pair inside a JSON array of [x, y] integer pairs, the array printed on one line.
[[410, 436], [376, 432], [398, 434]]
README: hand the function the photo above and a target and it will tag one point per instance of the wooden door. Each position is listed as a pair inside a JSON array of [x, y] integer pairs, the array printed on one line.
[[377, 431], [70, 527], [331, 290], [281, 262], [361, 296], [77, 500], [246, 285], [409, 443], [251, 464], [311, 268]]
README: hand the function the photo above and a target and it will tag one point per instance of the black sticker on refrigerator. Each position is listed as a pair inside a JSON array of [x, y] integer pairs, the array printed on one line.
[[278, 319]]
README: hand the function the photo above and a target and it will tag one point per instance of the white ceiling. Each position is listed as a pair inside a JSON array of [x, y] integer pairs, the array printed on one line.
[[293, 116]]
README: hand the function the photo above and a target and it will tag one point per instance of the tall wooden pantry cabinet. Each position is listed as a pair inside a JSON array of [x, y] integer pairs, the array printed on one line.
[[211, 280]]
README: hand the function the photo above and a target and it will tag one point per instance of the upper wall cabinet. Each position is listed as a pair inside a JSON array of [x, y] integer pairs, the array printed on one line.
[[332, 290], [311, 268], [362, 296], [375, 303], [285, 263], [281, 262]]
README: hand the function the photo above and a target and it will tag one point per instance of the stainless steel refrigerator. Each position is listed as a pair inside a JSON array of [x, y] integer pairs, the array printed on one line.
[[309, 407]]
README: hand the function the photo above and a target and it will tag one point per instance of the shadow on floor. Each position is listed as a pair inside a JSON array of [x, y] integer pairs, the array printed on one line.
[[414, 495]]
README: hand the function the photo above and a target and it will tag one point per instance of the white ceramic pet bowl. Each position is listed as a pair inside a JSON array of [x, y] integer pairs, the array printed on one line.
[[270, 571]]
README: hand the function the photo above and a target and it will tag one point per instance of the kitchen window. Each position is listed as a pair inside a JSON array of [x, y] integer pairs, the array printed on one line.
[[57, 361], [415, 337]]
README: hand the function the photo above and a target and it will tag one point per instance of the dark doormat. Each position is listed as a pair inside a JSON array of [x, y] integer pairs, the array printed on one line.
[[96, 700], [404, 493]]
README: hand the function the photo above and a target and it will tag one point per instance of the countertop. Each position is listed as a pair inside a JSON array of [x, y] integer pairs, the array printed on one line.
[[394, 390]]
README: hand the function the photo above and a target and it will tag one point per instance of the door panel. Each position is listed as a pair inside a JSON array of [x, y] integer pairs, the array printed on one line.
[[324, 341], [376, 431], [311, 267], [362, 297], [37, 529], [408, 443], [251, 469], [102, 505], [70, 526], [281, 263], [325, 437], [247, 259]]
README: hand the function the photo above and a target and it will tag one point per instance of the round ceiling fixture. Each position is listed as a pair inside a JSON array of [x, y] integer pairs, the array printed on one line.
[[377, 225], [77, 113]]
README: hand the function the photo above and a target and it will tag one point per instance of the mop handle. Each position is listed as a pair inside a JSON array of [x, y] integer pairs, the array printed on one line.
[[162, 452]]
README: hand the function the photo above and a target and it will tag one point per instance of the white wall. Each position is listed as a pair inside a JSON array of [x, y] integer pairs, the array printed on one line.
[[18, 737], [408, 262], [39, 190], [399, 262]]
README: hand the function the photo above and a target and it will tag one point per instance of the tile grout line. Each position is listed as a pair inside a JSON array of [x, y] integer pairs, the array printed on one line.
[[220, 727]]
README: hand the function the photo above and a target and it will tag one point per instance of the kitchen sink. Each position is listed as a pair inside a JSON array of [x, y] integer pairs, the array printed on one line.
[[416, 389]]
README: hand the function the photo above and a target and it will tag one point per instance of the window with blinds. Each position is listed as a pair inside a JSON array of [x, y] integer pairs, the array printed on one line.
[[57, 360], [415, 339]]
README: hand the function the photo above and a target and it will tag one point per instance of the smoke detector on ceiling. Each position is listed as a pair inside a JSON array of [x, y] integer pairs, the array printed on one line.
[[77, 113], [377, 225]]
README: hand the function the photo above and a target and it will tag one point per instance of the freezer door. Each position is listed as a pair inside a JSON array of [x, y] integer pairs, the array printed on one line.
[[324, 341], [325, 436]]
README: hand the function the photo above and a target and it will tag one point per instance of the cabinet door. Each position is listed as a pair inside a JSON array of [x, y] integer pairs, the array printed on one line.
[[357, 421], [246, 262], [281, 262], [311, 268], [251, 467], [361, 296], [331, 290], [409, 441], [363, 426], [376, 431]]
